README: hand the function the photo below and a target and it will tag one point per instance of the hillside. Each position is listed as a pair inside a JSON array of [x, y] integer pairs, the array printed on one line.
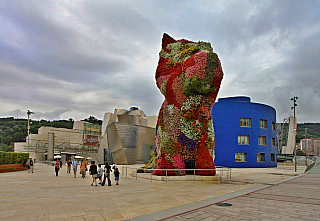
[[15, 130], [313, 131]]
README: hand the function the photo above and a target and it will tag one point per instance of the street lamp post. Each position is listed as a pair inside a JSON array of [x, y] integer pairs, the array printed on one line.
[[29, 113], [294, 99], [305, 137]]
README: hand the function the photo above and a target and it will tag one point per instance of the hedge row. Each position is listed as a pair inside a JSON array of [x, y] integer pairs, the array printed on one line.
[[13, 158]]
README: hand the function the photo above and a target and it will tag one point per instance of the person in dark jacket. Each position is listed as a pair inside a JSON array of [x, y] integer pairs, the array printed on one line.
[[107, 171], [93, 171]]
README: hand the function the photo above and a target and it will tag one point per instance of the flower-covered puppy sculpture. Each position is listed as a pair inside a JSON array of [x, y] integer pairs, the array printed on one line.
[[189, 76]]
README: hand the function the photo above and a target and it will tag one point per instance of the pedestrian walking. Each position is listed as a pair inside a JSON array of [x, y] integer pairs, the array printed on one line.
[[57, 167], [31, 165], [100, 173], [107, 171], [93, 171], [75, 167], [69, 166], [116, 175], [83, 168], [60, 163], [86, 163]]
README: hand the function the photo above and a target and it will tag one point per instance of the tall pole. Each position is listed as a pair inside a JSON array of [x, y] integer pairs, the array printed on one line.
[[294, 99], [29, 113], [305, 137]]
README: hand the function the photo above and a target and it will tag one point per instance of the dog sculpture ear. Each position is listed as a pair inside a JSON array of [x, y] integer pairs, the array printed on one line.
[[166, 39]]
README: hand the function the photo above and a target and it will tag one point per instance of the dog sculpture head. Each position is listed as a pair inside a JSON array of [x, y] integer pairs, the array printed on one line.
[[187, 69]]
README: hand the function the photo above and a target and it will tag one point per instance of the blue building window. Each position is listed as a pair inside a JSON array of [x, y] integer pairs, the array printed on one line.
[[241, 157], [245, 122], [263, 124], [243, 139], [273, 157], [273, 141], [260, 157], [262, 140]]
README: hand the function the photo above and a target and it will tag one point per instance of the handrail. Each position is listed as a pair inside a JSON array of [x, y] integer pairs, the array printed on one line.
[[221, 169]]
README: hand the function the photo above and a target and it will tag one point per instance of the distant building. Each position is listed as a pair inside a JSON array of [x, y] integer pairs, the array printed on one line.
[[310, 146], [245, 133], [83, 139], [127, 136]]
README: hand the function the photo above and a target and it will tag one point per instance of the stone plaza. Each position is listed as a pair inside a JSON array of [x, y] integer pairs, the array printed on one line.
[[43, 196]]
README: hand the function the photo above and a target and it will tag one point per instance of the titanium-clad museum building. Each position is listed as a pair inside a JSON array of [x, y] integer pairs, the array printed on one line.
[[245, 133]]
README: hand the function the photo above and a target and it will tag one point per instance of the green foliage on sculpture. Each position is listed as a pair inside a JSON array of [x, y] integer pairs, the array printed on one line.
[[189, 76]]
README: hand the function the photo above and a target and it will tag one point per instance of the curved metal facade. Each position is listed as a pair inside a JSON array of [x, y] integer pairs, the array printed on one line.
[[240, 145]]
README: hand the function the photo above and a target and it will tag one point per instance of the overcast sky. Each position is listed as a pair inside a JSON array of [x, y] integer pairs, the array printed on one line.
[[74, 59]]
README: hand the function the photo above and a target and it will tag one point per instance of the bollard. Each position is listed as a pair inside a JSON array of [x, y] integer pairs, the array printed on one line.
[[166, 175]]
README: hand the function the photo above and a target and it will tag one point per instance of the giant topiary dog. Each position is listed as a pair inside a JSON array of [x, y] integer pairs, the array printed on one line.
[[189, 76]]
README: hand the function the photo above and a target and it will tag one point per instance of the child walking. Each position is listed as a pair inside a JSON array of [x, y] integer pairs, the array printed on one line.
[[116, 175], [100, 173]]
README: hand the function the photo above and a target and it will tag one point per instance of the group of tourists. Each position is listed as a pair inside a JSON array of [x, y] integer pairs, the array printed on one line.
[[97, 172]]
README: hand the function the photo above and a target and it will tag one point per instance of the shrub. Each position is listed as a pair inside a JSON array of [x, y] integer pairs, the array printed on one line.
[[13, 158]]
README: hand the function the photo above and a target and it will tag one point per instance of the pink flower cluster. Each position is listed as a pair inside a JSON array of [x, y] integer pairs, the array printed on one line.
[[198, 68], [179, 163], [178, 91]]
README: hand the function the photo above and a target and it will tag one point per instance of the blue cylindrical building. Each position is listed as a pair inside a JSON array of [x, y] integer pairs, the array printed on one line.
[[245, 133]]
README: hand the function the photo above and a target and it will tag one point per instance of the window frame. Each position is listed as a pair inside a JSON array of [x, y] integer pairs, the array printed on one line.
[[263, 124], [273, 141], [273, 157], [245, 122], [244, 137], [273, 126], [263, 139], [261, 156], [241, 156]]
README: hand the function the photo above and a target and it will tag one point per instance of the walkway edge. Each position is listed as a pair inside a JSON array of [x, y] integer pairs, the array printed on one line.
[[204, 203]]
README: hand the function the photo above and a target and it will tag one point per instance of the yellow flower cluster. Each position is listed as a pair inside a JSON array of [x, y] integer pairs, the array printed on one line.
[[186, 51]]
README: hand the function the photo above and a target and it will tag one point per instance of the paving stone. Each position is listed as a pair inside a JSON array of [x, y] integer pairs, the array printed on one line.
[[42, 196]]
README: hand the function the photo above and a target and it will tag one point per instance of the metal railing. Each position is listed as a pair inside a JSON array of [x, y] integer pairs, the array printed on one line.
[[221, 170]]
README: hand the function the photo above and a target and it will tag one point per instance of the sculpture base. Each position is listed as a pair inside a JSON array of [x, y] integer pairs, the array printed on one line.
[[214, 179]]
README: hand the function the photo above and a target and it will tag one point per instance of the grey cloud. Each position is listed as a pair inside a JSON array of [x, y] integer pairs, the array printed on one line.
[[17, 113], [51, 51], [55, 114]]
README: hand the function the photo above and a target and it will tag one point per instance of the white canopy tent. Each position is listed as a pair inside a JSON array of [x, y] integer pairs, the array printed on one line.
[[78, 157]]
